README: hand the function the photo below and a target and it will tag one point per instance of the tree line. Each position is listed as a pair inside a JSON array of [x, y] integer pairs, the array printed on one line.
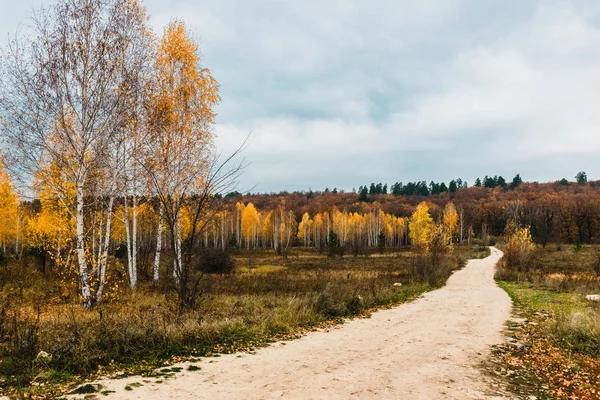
[[421, 188]]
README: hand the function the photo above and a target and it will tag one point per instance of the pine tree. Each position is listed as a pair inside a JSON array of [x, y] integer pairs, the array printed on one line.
[[452, 186], [581, 178], [364, 194], [516, 182]]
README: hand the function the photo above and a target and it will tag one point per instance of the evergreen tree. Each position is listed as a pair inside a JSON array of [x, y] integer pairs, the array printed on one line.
[[434, 188], [516, 182], [581, 178], [373, 189], [443, 188], [452, 186], [385, 189], [422, 190], [364, 194], [381, 242], [501, 181], [477, 182], [333, 244], [489, 182], [397, 189]]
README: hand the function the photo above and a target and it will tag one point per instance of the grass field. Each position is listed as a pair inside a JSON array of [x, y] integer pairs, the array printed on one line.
[[267, 297], [560, 339]]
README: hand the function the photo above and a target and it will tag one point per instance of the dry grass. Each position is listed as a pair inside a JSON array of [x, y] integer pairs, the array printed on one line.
[[563, 347], [267, 296]]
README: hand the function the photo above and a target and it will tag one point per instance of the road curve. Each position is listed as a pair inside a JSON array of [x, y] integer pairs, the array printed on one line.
[[425, 349]]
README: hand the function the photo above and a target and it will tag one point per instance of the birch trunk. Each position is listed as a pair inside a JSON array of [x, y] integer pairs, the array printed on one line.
[[134, 241], [83, 270], [104, 256], [161, 211], [177, 259]]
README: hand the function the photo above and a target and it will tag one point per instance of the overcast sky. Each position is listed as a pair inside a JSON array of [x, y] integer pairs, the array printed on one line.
[[344, 93]]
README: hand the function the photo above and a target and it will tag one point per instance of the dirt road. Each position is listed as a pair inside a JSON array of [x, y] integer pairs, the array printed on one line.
[[427, 349]]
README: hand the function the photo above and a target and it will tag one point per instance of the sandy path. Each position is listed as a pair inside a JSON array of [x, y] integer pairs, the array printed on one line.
[[426, 349]]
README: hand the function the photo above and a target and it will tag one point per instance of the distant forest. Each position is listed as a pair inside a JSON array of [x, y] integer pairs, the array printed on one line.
[[561, 211]]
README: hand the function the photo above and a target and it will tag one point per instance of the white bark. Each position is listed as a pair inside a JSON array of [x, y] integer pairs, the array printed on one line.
[[161, 211], [131, 238], [104, 256], [83, 270], [177, 255], [134, 249]]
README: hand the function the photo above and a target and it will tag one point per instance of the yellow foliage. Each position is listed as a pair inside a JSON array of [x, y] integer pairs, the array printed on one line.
[[304, 228], [268, 225], [9, 208], [420, 227], [519, 247], [146, 217], [250, 223], [450, 221]]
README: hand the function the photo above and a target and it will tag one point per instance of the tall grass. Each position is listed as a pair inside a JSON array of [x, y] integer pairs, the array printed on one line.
[[266, 296], [557, 284]]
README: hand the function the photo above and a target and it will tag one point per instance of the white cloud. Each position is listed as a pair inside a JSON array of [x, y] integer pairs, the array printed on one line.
[[336, 93]]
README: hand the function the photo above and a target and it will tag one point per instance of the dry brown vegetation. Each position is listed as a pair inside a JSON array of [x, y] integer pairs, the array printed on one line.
[[266, 296], [558, 346]]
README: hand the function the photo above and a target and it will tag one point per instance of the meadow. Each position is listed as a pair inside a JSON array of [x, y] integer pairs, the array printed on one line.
[[267, 297]]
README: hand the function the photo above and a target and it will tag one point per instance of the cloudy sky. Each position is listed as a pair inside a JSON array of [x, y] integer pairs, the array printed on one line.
[[343, 93]]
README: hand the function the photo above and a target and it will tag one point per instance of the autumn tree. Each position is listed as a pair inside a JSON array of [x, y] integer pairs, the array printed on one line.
[[51, 231], [419, 227], [450, 221], [65, 98], [9, 206], [179, 157], [519, 247], [250, 225], [305, 229]]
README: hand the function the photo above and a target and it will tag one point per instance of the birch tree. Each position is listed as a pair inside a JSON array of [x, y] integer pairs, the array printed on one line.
[[450, 221], [419, 227], [64, 99], [180, 161]]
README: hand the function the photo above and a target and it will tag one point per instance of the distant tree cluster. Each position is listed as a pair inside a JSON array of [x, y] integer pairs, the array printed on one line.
[[498, 181], [418, 188]]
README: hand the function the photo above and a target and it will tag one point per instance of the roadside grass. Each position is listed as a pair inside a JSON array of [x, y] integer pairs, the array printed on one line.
[[558, 345], [268, 298], [531, 298]]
